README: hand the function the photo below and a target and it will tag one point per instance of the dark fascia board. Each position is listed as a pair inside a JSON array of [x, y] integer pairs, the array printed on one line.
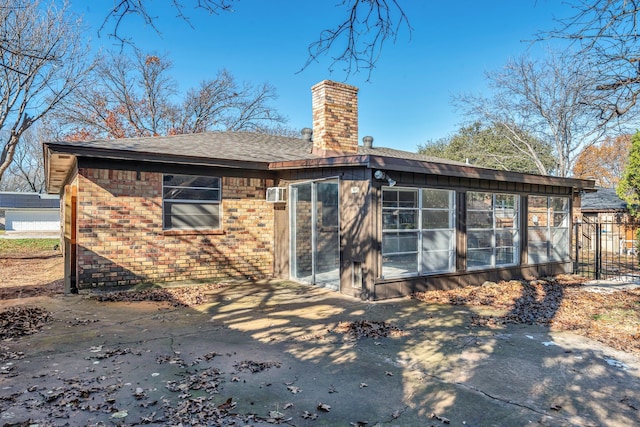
[[433, 168], [112, 154], [369, 161]]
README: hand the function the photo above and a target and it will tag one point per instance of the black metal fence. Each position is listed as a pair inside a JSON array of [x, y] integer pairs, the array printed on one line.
[[606, 247]]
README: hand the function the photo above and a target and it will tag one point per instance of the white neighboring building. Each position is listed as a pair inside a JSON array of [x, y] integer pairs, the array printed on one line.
[[30, 212]]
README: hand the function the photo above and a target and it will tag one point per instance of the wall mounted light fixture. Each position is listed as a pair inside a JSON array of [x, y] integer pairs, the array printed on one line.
[[383, 175]]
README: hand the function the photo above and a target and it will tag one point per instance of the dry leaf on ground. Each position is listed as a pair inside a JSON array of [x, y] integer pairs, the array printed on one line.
[[23, 320], [369, 329], [561, 303]]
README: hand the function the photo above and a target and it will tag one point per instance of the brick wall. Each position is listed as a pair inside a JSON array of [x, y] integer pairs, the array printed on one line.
[[121, 240]]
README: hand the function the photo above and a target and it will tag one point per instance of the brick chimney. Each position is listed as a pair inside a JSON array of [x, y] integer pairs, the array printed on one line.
[[335, 118]]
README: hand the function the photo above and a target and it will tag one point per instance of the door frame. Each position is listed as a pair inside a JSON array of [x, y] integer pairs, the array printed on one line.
[[70, 242], [334, 284]]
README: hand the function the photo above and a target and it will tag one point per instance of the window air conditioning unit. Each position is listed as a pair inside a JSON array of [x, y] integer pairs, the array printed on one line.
[[276, 195]]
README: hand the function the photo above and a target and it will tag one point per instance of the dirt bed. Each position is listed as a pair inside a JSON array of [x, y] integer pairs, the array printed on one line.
[[23, 275]]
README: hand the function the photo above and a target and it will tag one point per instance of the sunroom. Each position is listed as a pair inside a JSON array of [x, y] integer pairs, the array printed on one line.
[[439, 225]]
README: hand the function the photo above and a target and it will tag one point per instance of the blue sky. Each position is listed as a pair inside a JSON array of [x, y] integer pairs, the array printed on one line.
[[405, 103]]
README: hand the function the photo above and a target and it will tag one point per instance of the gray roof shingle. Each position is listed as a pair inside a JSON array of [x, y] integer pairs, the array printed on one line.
[[239, 146], [602, 200]]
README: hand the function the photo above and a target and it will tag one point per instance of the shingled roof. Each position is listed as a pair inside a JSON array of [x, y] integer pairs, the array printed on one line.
[[603, 200], [239, 146], [258, 151]]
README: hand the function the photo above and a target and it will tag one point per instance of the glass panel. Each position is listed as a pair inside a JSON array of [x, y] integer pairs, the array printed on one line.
[[191, 215], [505, 256], [327, 204], [389, 198], [505, 238], [408, 198], [559, 204], [327, 249], [506, 211], [408, 242], [191, 194], [538, 234], [394, 242], [399, 198], [479, 201], [437, 261], [559, 247], [191, 181], [303, 256], [479, 239], [390, 243], [537, 215], [560, 219], [538, 203], [408, 220], [399, 265], [479, 220], [436, 219], [437, 251], [506, 201], [543, 247], [479, 257], [436, 198], [390, 220], [537, 252], [506, 219], [536, 218], [437, 240]]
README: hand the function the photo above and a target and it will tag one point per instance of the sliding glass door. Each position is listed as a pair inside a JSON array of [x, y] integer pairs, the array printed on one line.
[[315, 233]]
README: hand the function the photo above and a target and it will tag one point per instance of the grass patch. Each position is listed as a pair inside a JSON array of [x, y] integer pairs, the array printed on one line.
[[25, 246]]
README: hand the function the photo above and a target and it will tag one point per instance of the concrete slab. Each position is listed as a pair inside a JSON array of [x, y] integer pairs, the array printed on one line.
[[138, 363]]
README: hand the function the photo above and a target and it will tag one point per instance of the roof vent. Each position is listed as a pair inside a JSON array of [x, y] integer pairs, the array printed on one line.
[[367, 141], [307, 133]]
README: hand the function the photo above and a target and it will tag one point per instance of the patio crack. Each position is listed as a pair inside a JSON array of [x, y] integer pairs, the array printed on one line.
[[416, 367], [500, 399]]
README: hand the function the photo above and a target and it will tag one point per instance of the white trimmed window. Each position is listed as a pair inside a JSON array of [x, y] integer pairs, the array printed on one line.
[[548, 229], [492, 230], [191, 202], [418, 231]]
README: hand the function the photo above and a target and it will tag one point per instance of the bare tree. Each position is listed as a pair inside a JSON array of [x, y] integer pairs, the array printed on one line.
[[606, 34], [42, 60], [356, 41], [26, 172], [224, 104], [360, 37], [549, 100], [137, 97], [122, 97]]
